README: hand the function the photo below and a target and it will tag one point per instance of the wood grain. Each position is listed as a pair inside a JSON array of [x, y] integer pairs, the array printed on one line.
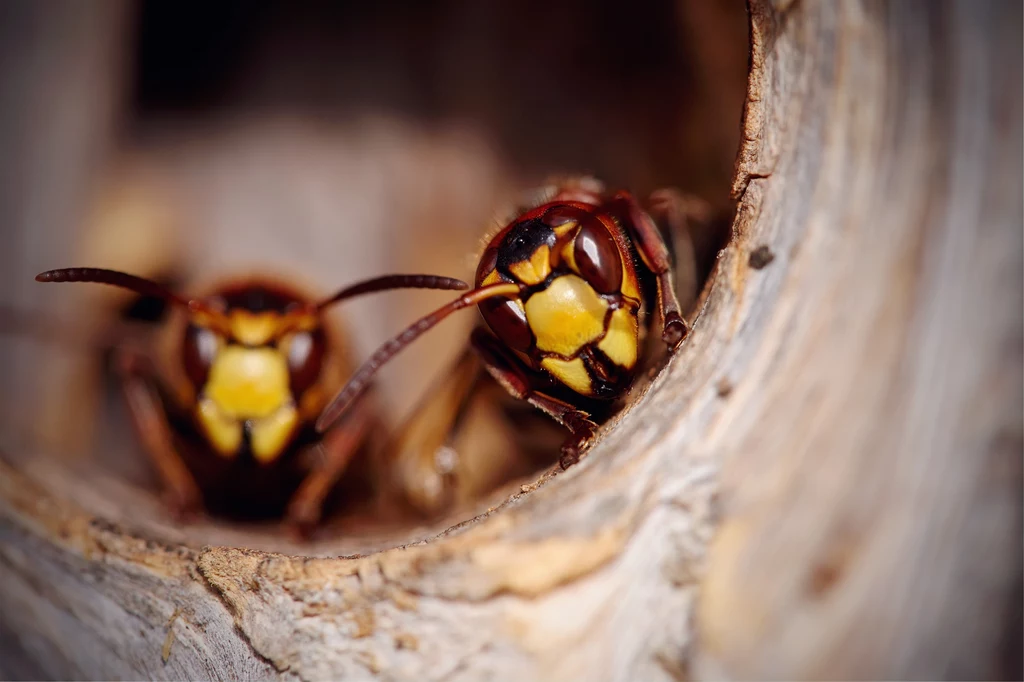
[[871, 489]]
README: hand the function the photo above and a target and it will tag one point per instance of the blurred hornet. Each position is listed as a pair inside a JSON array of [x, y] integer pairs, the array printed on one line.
[[564, 289], [224, 402]]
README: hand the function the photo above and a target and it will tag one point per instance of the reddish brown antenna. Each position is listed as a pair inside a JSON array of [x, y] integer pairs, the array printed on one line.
[[150, 288], [118, 279], [361, 379], [394, 282]]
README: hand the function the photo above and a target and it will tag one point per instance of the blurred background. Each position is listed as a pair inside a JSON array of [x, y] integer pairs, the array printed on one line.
[[323, 142]]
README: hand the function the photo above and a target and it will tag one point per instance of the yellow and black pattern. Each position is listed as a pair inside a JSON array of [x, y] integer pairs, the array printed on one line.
[[254, 374], [561, 322]]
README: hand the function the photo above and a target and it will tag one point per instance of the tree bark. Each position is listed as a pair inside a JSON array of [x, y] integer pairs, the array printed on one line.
[[824, 482]]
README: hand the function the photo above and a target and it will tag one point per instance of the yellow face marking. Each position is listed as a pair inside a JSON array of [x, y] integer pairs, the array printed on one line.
[[254, 329], [212, 320], [566, 316], [248, 383], [572, 373], [630, 287], [271, 434], [223, 432], [569, 255], [565, 228], [536, 269], [568, 252], [312, 402], [620, 341], [299, 321], [492, 278]]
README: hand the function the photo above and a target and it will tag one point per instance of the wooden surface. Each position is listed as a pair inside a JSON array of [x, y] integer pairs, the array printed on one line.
[[825, 481], [871, 450]]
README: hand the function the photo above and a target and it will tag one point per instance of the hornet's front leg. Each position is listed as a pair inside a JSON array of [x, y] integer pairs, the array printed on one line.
[[655, 253], [334, 453], [680, 215], [421, 462], [508, 371], [150, 421]]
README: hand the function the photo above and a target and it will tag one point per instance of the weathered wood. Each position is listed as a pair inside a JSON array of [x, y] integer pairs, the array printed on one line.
[[871, 490], [847, 412]]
